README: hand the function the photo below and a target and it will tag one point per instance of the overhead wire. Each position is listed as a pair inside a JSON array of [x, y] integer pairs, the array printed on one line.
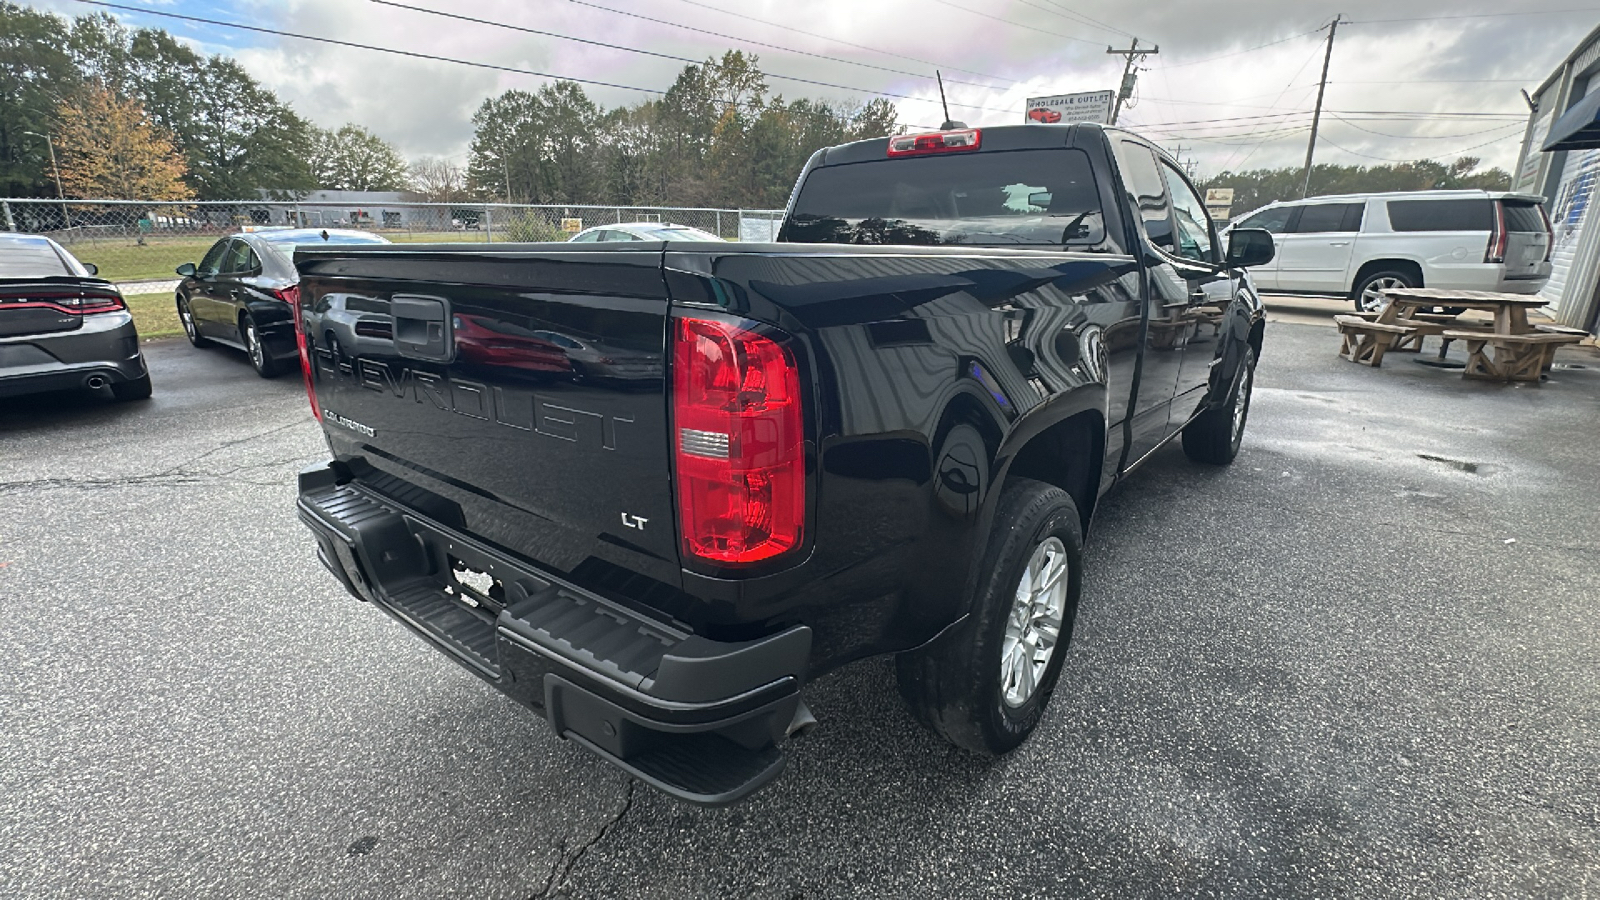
[[1523, 12], [750, 18], [1074, 17], [1505, 137], [1090, 19], [684, 59], [1238, 52], [1015, 24]]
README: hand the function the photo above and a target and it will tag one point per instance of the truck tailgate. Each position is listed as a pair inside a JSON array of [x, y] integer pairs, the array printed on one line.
[[520, 392]]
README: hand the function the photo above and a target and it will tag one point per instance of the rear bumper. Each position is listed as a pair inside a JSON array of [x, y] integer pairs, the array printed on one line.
[[698, 719], [106, 347], [1486, 277]]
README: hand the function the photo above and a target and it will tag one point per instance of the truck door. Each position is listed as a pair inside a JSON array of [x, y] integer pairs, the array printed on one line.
[[1313, 255], [1207, 287], [1166, 303]]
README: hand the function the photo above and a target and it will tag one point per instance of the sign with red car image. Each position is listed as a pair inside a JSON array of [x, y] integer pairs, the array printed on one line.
[[1068, 109]]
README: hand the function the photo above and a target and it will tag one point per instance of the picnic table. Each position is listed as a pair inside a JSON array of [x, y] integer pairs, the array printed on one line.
[[1511, 349]]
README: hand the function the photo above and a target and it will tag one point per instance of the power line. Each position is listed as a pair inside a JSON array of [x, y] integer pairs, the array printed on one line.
[[1075, 18], [1316, 116], [1533, 12], [739, 15], [1505, 137], [1015, 24], [683, 59], [1427, 137], [1091, 20], [324, 40], [1242, 52], [1449, 80]]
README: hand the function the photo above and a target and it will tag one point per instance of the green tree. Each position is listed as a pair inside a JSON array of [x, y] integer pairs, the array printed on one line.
[[1259, 187], [36, 74], [355, 159], [236, 136], [109, 150]]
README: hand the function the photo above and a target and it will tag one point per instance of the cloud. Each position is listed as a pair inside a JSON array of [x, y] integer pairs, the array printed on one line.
[[1246, 108]]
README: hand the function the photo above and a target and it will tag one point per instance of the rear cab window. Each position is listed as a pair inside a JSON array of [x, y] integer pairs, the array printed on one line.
[[1025, 198], [1467, 214]]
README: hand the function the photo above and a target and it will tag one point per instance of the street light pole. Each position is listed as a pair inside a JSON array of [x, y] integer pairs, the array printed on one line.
[[66, 218]]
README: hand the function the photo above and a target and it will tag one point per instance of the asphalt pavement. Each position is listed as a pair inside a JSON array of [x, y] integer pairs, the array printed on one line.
[[1361, 662]]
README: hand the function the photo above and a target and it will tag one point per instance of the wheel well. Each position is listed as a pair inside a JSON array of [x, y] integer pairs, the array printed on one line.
[[1258, 333], [1069, 455], [1378, 265]]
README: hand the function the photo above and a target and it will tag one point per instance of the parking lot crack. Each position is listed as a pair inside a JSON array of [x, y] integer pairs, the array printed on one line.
[[561, 870]]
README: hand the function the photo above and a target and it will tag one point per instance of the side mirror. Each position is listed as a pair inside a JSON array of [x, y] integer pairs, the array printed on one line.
[[91, 268], [1250, 247], [186, 270]]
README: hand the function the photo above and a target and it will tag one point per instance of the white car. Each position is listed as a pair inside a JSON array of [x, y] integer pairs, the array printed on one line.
[[1357, 245], [643, 231]]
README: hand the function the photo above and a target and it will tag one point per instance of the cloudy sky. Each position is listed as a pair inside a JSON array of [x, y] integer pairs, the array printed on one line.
[[1233, 84]]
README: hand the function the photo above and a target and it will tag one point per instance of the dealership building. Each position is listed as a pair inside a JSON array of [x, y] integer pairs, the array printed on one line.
[[1560, 160]]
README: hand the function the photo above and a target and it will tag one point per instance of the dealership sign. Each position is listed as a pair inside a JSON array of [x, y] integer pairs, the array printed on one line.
[[1067, 109]]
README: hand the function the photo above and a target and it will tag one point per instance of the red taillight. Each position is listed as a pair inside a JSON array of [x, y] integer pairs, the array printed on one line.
[[1497, 244], [739, 442], [77, 303], [291, 296], [934, 142]]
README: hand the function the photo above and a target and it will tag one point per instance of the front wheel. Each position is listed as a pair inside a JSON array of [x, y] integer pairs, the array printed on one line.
[[260, 359], [984, 686], [1214, 436], [186, 316], [1368, 293]]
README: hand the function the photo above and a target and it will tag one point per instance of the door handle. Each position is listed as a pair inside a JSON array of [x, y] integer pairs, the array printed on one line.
[[422, 327], [1338, 243]]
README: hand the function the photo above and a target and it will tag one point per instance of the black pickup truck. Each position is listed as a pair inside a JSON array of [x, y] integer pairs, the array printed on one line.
[[649, 489]]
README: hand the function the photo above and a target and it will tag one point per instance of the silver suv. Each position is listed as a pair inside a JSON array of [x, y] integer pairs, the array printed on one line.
[[1356, 245]]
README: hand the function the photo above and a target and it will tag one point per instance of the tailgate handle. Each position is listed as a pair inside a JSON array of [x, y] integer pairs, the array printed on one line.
[[422, 327]]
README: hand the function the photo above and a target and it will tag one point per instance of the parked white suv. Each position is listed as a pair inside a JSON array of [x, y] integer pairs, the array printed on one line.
[[1359, 244]]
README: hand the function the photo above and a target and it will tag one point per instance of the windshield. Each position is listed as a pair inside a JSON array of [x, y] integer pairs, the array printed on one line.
[[292, 238], [30, 257], [1016, 197]]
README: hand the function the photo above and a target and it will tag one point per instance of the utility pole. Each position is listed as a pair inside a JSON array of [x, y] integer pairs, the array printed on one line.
[[1316, 117], [66, 218], [1125, 89]]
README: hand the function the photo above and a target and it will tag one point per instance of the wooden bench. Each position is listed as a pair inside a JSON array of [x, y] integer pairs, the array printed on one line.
[[1365, 342], [1515, 357]]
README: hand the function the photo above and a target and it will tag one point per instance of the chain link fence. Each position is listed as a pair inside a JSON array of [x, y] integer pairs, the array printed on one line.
[[136, 241]]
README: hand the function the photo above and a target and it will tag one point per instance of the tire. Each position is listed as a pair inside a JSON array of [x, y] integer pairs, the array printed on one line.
[[1376, 281], [260, 360], [955, 686], [137, 389], [1213, 437], [186, 317]]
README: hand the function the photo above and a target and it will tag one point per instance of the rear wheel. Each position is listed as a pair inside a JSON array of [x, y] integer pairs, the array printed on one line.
[[1214, 436], [186, 316], [260, 359], [137, 389], [984, 685], [1368, 293]]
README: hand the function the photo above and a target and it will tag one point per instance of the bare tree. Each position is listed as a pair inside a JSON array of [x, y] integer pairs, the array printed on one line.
[[438, 180]]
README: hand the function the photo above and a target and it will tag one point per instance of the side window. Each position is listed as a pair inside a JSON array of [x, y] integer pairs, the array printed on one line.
[[588, 237], [1193, 225], [1275, 220], [616, 236], [1322, 218], [1149, 192], [212, 264], [240, 259], [1442, 215]]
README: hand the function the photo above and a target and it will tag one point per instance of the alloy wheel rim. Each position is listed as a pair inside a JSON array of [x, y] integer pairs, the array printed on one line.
[[1372, 299], [1033, 629], [187, 318], [254, 343], [1241, 402]]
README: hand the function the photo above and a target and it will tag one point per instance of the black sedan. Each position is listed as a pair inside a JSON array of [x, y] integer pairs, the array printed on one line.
[[241, 293], [62, 326]]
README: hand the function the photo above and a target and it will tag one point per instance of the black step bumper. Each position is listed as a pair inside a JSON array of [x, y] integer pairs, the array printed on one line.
[[701, 720]]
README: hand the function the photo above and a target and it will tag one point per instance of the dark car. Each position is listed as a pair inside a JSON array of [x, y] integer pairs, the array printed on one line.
[[242, 293], [834, 450], [61, 326]]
